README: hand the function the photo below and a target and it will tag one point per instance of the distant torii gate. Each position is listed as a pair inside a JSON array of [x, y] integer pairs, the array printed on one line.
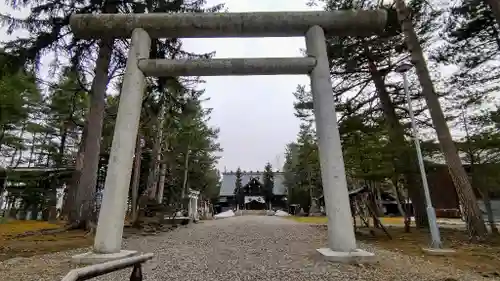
[[142, 27]]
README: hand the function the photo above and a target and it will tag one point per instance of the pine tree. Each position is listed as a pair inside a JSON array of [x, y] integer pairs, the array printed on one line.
[[268, 181], [474, 219], [361, 68], [48, 26], [238, 189], [472, 44], [481, 147], [19, 101], [302, 170]]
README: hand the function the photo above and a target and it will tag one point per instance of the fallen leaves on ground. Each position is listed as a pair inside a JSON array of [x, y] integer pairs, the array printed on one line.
[[483, 258], [324, 220], [14, 244], [15, 227]]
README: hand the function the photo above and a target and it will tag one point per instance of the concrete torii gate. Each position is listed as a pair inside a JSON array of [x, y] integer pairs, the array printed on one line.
[[142, 27]]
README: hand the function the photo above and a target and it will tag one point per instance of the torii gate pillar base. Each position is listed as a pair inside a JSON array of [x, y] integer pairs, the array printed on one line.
[[357, 256]]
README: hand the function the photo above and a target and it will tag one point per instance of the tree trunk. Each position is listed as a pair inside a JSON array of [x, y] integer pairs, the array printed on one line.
[[13, 158], [41, 154], [3, 186], [8, 206], [52, 204], [18, 161], [70, 194], [2, 135], [185, 179], [32, 149], [474, 219], [489, 211], [136, 177], [161, 183], [152, 182], [405, 162], [163, 172], [380, 205], [475, 180], [83, 208], [399, 199], [396, 194], [495, 9], [156, 155], [62, 147]]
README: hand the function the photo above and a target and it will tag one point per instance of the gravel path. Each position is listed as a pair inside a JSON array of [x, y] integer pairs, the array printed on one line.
[[241, 248]]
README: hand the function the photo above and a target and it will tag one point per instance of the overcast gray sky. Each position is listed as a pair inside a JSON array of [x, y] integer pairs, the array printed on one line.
[[255, 113]]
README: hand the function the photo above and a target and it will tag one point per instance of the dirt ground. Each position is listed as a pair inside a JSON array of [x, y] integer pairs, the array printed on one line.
[[35, 243], [483, 258], [26, 238], [244, 248]]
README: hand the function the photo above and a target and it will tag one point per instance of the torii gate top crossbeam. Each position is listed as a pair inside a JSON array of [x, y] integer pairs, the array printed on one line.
[[207, 25]]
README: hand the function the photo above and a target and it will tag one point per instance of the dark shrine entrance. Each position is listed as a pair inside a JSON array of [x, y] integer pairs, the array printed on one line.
[[255, 205], [254, 195]]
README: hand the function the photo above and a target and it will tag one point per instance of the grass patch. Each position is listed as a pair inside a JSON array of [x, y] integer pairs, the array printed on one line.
[[483, 258], [11, 228], [11, 245], [3, 220], [43, 244], [324, 220], [313, 220]]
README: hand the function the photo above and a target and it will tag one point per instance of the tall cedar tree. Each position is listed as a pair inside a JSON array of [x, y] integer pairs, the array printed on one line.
[[49, 32], [268, 181], [238, 189]]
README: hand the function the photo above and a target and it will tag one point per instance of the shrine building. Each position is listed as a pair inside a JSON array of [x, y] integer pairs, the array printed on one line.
[[253, 191]]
